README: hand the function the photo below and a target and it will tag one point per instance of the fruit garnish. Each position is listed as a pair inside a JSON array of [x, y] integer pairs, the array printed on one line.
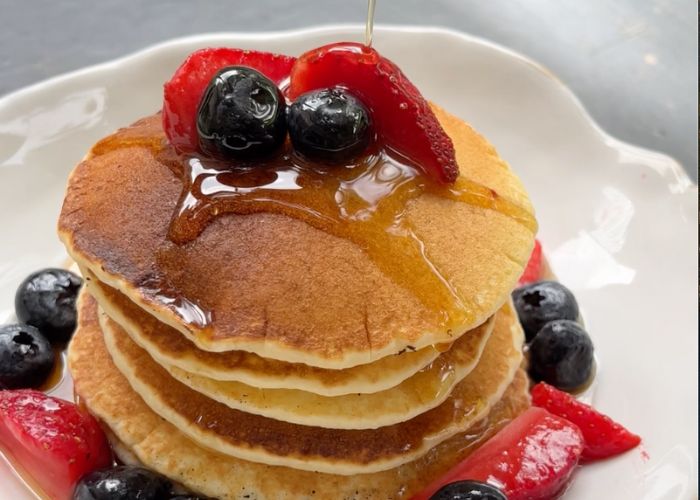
[[329, 125], [561, 354], [603, 437], [468, 490], [533, 270], [123, 483], [46, 300], [531, 458], [403, 119], [183, 92], [53, 440], [539, 303], [26, 357], [242, 115]]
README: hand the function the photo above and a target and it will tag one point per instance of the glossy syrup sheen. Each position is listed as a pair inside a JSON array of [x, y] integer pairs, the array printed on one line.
[[365, 203], [58, 372]]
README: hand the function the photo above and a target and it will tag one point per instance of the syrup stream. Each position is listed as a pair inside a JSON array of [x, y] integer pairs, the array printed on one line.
[[369, 26]]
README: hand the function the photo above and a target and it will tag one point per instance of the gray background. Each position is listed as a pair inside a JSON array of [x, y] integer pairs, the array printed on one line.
[[634, 63]]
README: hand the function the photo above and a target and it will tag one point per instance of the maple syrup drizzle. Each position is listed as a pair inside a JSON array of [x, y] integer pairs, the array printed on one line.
[[365, 203], [369, 25]]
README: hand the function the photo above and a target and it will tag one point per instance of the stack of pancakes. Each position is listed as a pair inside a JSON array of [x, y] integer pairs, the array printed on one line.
[[269, 359]]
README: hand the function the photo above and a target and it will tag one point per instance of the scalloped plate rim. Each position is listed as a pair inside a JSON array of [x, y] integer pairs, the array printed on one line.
[[677, 169], [670, 171]]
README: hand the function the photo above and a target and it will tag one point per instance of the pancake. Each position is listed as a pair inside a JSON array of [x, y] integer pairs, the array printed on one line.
[[168, 347], [276, 286], [422, 392], [140, 434], [273, 442]]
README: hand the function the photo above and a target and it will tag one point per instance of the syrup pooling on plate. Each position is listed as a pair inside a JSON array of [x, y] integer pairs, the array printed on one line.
[[365, 203]]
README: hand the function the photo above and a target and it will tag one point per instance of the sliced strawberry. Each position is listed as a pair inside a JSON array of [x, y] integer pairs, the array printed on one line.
[[531, 458], [603, 437], [52, 439], [533, 270], [184, 90], [403, 119]]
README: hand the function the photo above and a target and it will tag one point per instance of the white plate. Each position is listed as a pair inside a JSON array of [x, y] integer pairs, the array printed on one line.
[[618, 222]]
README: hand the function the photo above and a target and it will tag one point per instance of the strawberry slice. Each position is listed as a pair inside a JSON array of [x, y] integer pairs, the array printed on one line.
[[52, 439], [533, 270], [531, 458], [603, 437], [184, 90], [402, 117]]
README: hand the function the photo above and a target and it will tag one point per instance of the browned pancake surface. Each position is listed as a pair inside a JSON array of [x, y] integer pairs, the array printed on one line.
[[169, 346], [275, 285]]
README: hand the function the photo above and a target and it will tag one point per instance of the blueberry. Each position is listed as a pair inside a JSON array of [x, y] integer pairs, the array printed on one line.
[[468, 490], [46, 300], [561, 354], [542, 302], [241, 115], [26, 357], [123, 483], [329, 125]]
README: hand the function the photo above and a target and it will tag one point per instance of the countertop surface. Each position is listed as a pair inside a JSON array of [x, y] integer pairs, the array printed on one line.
[[633, 63]]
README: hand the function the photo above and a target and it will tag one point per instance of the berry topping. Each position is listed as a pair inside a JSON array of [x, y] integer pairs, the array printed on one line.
[[603, 437], [329, 125], [184, 91], [468, 490], [46, 300], [561, 354], [53, 440], [403, 119], [531, 458], [26, 357], [539, 303], [241, 115], [123, 483], [533, 270]]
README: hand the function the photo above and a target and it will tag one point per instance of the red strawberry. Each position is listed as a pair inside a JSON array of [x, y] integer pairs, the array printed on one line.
[[403, 118], [52, 439], [531, 458], [184, 90], [533, 270], [603, 437]]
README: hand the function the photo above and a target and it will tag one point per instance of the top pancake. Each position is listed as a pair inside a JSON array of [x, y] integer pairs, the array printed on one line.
[[169, 348], [276, 286]]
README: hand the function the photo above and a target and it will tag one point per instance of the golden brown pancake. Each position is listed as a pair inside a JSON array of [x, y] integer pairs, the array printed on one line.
[[417, 394], [345, 452], [168, 347], [140, 433], [276, 286]]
